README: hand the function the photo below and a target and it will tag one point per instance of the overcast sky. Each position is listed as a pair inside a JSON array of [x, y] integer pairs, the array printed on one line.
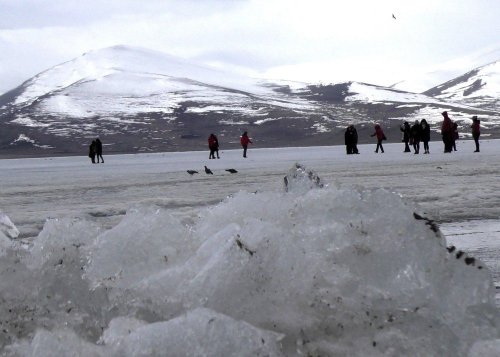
[[312, 40]]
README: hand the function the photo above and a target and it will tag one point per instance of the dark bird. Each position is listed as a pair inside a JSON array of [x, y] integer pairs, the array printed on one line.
[[192, 172], [233, 171], [394, 17], [208, 171]]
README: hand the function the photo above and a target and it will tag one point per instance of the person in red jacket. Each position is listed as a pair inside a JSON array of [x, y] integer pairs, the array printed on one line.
[[213, 145], [380, 137], [447, 132], [476, 131], [245, 140]]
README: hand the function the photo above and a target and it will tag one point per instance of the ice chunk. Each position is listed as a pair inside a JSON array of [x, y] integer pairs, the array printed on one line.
[[335, 271], [61, 240], [146, 241], [5, 243], [201, 332], [300, 179], [7, 227], [59, 343], [119, 329]]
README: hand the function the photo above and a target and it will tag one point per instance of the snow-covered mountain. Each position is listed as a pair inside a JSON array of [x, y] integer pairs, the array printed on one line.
[[142, 100], [478, 88]]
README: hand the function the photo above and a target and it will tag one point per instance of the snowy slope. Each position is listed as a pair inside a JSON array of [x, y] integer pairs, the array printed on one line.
[[97, 65], [479, 88]]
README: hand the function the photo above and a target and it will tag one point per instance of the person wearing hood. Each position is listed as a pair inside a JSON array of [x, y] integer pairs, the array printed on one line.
[[405, 128], [447, 132], [416, 130], [425, 135], [476, 131], [244, 141], [92, 151], [379, 133], [351, 140], [98, 150], [213, 146]]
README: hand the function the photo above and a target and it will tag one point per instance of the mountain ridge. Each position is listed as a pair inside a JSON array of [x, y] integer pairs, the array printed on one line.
[[143, 100]]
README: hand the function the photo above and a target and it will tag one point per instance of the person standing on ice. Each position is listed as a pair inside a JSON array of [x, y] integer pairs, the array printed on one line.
[[405, 128], [213, 145], [351, 140], [98, 150], [425, 135], [379, 133], [476, 131], [244, 141], [92, 151], [454, 136], [447, 132], [415, 136]]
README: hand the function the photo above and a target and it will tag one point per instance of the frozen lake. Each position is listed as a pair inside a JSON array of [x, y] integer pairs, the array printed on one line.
[[459, 191], [456, 190]]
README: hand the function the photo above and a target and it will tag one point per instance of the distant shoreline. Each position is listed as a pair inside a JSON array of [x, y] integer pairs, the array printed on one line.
[[26, 155]]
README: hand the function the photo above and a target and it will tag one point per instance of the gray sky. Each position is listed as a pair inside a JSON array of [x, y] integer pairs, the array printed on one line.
[[311, 40]]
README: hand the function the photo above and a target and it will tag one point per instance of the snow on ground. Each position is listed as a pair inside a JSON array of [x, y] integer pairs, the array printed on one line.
[[139, 257]]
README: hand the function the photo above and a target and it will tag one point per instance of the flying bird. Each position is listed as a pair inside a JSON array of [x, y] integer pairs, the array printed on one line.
[[192, 172], [394, 17], [233, 171], [208, 171]]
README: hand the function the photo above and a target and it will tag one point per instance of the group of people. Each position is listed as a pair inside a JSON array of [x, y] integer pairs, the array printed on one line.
[[213, 145], [415, 134], [351, 139], [449, 132], [95, 150]]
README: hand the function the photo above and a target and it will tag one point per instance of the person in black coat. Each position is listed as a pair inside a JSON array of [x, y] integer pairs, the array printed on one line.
[[405, 128], [425, 132], [98, 150], [415, 134], [476, 131], [92, 151], [351, 140]]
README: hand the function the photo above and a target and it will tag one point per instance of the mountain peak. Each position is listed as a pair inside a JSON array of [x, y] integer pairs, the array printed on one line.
[[127, 60], [476, 87], [145, 100]]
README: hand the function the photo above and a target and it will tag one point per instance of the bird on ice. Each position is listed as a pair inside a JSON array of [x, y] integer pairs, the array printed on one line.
[[233, 171], [208, 171], [192, 172]]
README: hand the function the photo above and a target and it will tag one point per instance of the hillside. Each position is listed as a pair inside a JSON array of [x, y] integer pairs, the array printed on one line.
[[479, 88], [140, 100]]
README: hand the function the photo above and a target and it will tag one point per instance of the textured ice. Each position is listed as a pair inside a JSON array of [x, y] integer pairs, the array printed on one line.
[[7, 227], [201, 332], [314, 270], [7, 230]]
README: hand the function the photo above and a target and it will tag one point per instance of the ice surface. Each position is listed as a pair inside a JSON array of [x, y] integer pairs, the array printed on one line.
[[485, 348], [313, 270]]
